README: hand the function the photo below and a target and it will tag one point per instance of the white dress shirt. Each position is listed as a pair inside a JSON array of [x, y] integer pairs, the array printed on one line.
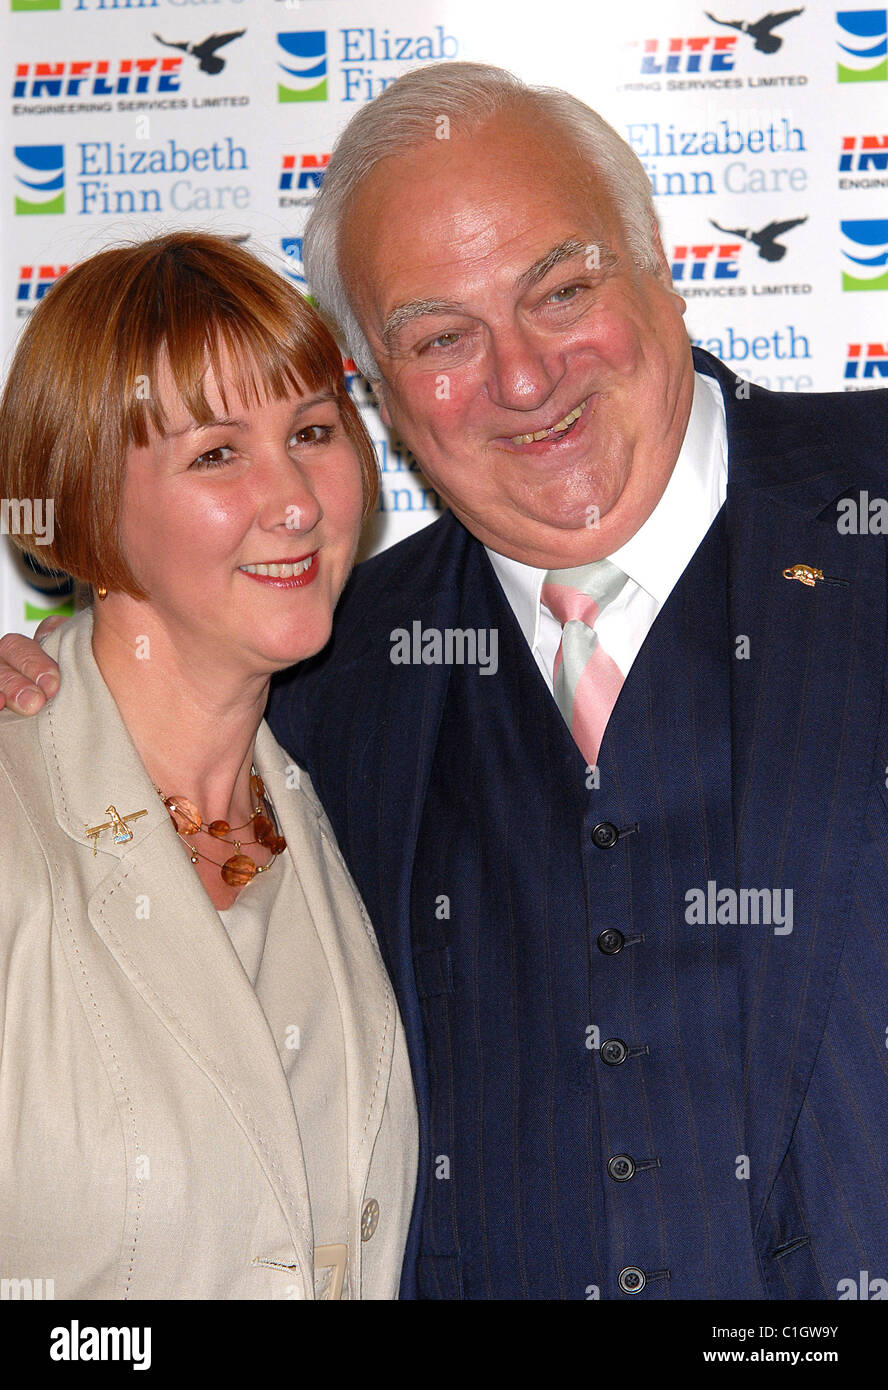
[[654, 558]]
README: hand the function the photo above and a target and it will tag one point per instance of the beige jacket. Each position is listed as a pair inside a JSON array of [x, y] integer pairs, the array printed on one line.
[[148, 1142]]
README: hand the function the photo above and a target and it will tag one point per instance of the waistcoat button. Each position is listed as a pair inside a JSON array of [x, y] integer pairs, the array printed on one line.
[[631, 1280], [611, 941], [621, 1168], [605, 835], [614, 1052]]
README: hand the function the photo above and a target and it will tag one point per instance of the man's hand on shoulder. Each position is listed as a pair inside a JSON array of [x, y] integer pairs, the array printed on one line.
[[28, 677]]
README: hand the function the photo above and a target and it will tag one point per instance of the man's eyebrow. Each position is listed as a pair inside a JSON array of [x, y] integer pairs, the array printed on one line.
[[565, 251], [602, 258], [415, 309]]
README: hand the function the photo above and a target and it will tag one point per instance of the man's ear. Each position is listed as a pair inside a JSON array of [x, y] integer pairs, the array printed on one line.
[[664, 270]]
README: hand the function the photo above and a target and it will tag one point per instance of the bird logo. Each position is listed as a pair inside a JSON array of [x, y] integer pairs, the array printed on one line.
[[761, 29], [769, 248], [207, 58]]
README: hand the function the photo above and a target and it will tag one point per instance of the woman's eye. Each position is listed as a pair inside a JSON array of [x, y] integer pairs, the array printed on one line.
[[312, 434], [213, 458]]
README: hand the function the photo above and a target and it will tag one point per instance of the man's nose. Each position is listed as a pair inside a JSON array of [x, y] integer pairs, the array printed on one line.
[[523, 370]]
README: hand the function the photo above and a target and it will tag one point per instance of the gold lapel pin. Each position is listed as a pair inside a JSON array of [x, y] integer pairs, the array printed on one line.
[[117, 823], [807, 574]]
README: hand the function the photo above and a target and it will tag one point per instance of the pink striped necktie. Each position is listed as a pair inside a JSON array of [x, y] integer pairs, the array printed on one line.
[[586, 680]]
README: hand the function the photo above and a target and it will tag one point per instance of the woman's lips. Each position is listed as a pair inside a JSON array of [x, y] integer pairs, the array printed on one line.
[[285, 574]]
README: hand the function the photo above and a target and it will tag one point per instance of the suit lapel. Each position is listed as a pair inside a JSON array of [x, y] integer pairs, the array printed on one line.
[[376, 796], [181, 962], [806, 685], [366, 1000]]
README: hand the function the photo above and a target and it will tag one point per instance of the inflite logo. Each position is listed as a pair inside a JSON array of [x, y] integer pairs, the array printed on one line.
[[863, 153], [304, 66], [96, 77], [291, 246], [23, 6], [865, 249], [863, 42], [206, 52], [306, 169], [39, 179], [705, 261], [761, 31], [766, 238], [718, 260], [866, 361], [708, 53], [35, 280]]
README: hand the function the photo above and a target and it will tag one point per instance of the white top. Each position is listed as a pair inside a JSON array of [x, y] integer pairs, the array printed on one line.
[[654, 558]]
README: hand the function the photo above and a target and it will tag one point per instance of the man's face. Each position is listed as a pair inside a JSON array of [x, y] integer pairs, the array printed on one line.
[[493, 280]]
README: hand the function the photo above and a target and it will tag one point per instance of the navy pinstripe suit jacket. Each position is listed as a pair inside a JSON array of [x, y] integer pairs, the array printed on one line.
[[748, 751]]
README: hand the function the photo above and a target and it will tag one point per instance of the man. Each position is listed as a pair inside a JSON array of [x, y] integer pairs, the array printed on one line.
[[643, 978]]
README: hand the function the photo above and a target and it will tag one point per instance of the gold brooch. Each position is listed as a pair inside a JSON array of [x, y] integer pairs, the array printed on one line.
[[117, 823], [807, 574]]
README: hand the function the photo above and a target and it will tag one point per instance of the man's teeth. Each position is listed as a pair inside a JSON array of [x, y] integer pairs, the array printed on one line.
[[562, 425], [280, 571]]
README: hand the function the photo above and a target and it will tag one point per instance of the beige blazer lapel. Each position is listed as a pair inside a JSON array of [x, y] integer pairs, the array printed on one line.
[[150, 910], [366, 1000]]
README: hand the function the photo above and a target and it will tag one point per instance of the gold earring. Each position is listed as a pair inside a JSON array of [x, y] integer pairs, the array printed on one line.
[[102, 591]]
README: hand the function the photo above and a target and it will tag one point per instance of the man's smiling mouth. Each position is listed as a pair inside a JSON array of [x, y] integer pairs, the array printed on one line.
[[560, 427]]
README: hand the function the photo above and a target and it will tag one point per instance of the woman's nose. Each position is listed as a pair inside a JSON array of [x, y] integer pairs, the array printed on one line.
[[288, 498]]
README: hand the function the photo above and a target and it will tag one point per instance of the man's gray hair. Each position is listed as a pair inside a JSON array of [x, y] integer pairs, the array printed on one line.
[[407, 114]]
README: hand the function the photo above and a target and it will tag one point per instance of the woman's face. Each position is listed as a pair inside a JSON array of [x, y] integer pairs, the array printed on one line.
[[242, 532]]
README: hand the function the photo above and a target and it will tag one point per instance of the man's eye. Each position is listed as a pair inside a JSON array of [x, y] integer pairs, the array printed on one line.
[[312, 434], [213, 458], [443, 340], [566, 293]]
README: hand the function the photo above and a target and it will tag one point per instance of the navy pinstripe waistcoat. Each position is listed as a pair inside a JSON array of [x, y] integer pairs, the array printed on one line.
[[655, 1067]]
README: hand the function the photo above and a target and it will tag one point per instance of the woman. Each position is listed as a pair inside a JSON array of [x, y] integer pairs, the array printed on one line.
[[204, 1088]]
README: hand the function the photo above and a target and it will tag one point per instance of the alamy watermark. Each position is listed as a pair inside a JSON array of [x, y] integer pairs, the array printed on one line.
[[28, 516], [713, 906], [449, 646], [77, 1343], [27, 1290], [862, 515], [863, 1287]]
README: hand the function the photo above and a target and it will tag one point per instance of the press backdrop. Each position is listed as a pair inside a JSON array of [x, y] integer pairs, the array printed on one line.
[[764, 133]]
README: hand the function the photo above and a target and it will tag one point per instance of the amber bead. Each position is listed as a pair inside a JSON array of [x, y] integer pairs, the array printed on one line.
[[275, 843], [238, 870], [257, 786], [185, 815], [219, 828], [263, 829]]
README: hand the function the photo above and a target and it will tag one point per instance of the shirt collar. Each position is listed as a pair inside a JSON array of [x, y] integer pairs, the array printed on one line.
[[661, 548], [659, 552]]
